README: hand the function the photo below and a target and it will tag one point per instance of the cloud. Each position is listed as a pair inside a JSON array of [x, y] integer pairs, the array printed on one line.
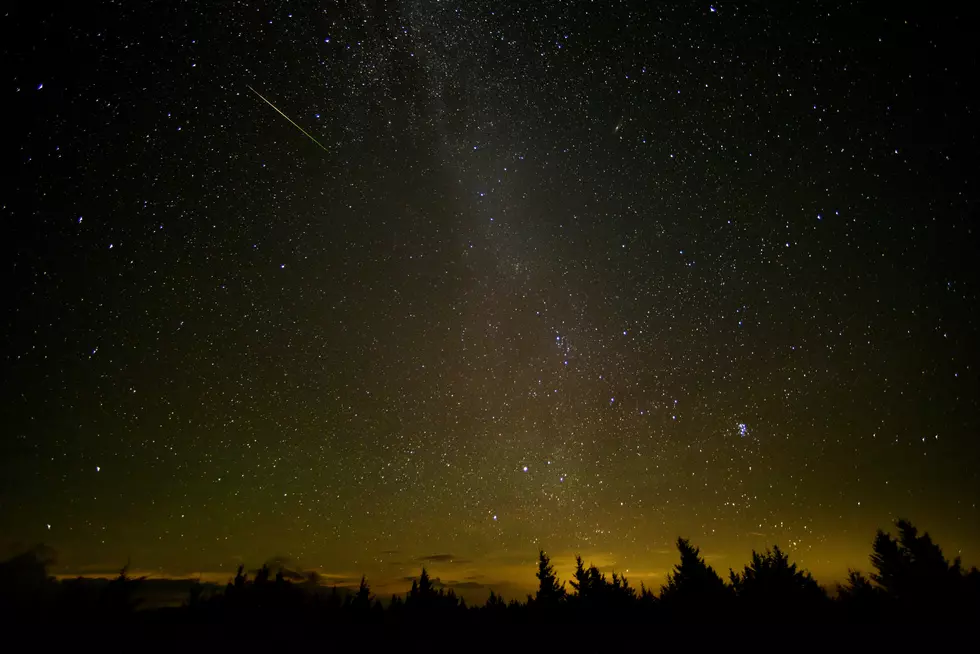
[[441, 558], [469, 585], [339, 580], [293, 575]]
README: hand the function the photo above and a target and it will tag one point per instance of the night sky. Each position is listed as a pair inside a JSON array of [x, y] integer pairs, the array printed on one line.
[[501, 276]]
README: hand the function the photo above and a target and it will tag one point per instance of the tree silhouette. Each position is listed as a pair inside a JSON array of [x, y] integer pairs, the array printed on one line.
[[647, 600], [361, 600], [694, 589], [590, 587], [550, 591], [422, 595], [621, 595], [423, 598], [912, 578], [911, 581], [495, 602], [25, 585], [118, 600], [580, 579], [262, 575], [596, 594], [425, 584], [774, 586], [860, 599]]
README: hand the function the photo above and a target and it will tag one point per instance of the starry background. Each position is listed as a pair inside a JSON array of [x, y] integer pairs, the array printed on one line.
[[582, 276]]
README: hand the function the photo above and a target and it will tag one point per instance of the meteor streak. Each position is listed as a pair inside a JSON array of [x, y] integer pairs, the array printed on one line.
[[310, 136]]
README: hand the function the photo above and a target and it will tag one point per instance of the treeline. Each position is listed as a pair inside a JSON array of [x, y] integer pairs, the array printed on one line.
[[912, 581]]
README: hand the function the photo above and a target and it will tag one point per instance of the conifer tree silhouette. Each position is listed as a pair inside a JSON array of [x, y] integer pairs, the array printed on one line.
[[423, 596], [118, 599], [859, 598], [596, 594], [911, 581], [774, 586], [262, 575], [589, 585], [580, 578], [425, 584], [495, 602], [622, 595], [915, 579], [694, 589], [646, 599], [550, 591], [362, 598], [25, 585]]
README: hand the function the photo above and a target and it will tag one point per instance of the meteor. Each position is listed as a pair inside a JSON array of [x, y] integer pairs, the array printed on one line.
[[310, 136]]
